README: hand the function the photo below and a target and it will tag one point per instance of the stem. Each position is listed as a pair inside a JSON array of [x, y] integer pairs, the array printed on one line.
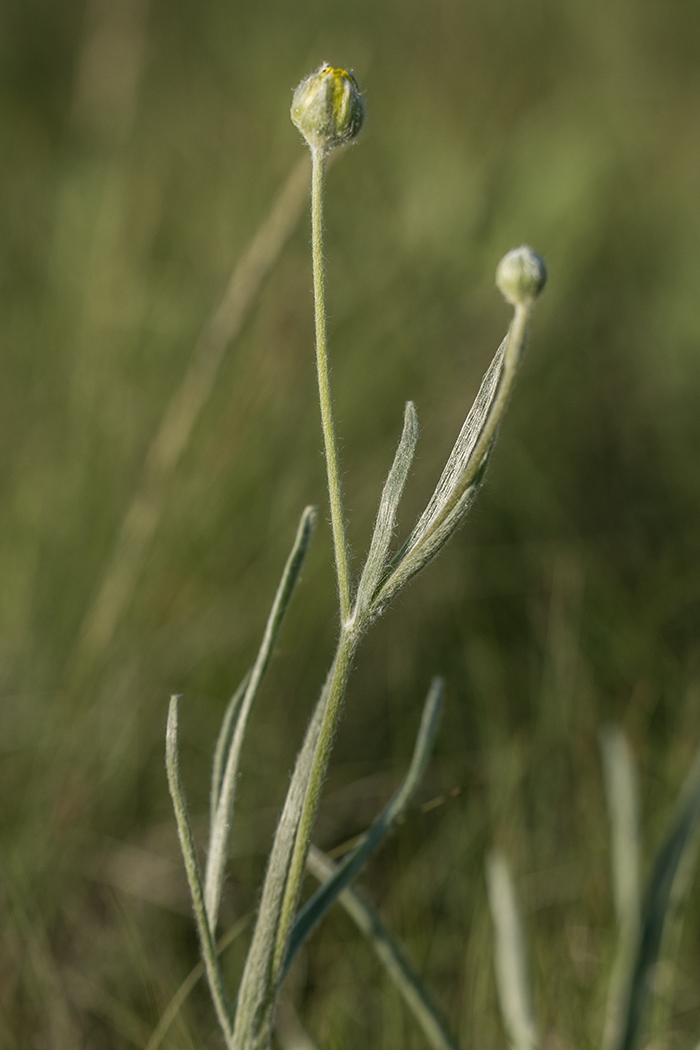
[[337, 682], [340, 543]]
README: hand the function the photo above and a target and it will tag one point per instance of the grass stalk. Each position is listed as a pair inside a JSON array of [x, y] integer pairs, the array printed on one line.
[[622, 795], [512, 978], [145, 512]]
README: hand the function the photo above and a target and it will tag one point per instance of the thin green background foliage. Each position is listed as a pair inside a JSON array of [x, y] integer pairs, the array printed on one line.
[[569, 599]]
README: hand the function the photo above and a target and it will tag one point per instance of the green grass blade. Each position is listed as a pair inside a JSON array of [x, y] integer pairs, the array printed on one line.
[[622, 796], [662, 1011], [386, 516], [221, 815], [657, 903], [407, 981], [315, 909], [184, 830], [512, 980]]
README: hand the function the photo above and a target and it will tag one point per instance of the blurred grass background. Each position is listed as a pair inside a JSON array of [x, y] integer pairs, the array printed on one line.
[[142, 144]]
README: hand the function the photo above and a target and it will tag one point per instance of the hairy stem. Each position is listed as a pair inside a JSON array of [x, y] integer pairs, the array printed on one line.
[[340, 543], [336, 685]]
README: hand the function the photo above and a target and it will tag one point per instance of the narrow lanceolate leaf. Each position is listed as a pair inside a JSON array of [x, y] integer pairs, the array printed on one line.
[[228, 754], [418, 558], [512, 981], [223, 743], [184, 830], [623, 808], [475, 425], [318, 905], [656, 906], [400, 970], [386, 516], [258, 987], [465, 467]]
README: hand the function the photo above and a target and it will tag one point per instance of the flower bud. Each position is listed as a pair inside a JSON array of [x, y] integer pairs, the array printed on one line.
[[328, 108], [521, 276]]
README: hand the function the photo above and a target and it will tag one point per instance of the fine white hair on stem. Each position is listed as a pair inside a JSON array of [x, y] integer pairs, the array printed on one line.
[[314, 910]]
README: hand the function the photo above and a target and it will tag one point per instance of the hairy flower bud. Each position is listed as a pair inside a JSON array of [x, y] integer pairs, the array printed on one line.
[[328, 108], [521, 276]]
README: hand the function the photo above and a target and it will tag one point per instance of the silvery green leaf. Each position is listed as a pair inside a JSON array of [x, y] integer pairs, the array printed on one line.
[[415, 559], [258, 987], [400, 970], [657, 902], [194, 879], [314, 910], [386, 516], [465, 467], [512, 981], [223, 743], [623, 808], [227, 758], [478, 421]]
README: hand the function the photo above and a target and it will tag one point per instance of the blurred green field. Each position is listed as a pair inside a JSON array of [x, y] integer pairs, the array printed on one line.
[[141, 146]]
